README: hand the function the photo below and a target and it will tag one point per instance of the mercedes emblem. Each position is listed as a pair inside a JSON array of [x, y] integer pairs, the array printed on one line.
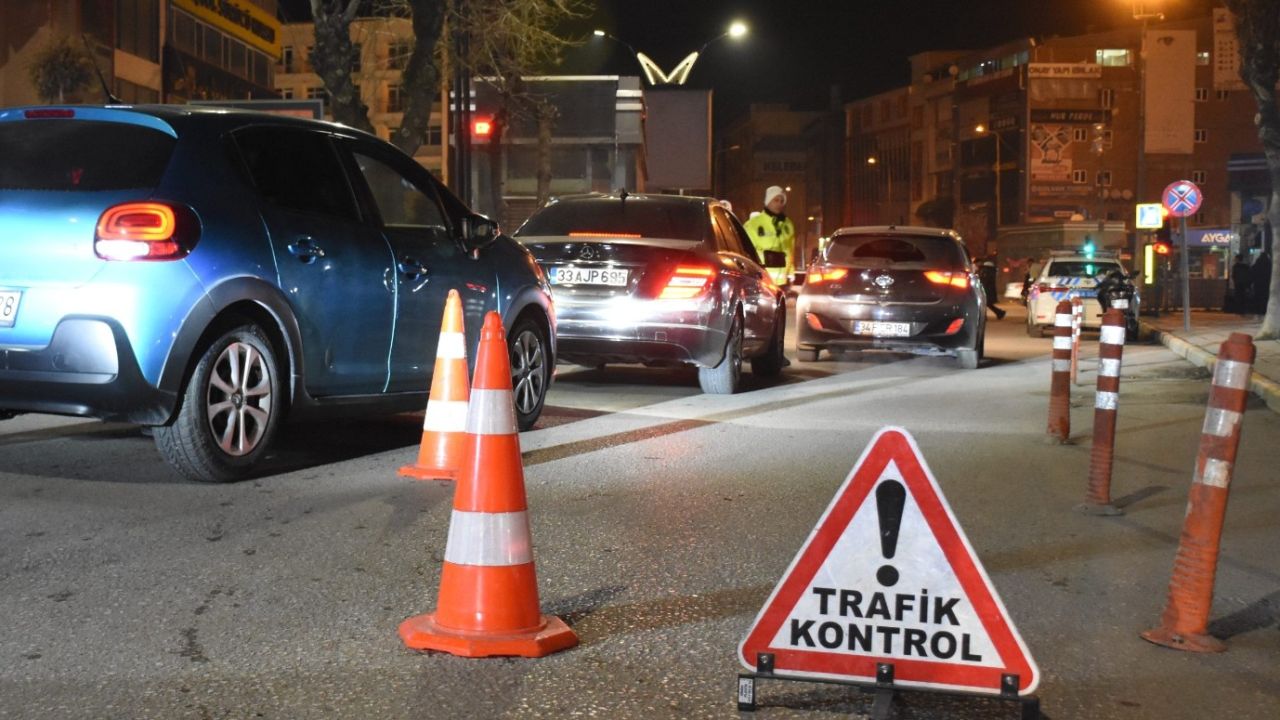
[[587, 252], [883, 281]]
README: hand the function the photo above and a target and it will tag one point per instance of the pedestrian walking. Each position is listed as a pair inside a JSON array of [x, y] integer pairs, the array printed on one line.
[[987, 276], [1260, 282], [773, 230], [1238, 300]]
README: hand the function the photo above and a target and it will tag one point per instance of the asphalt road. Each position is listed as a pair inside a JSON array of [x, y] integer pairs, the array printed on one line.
[[662, 519]]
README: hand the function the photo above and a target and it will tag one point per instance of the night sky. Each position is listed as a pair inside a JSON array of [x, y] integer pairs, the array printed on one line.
[[798, 49]]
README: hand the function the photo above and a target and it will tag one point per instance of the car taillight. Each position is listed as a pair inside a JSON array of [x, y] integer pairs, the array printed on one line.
[[955, 326], [687, 281], [139, 231], [825, 275], [954, 279]]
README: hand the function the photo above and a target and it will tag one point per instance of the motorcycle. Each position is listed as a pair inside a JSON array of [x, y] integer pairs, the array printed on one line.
[[1117, 290]]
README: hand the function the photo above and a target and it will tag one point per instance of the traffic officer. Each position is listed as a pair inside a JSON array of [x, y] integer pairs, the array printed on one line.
[[773, 230]]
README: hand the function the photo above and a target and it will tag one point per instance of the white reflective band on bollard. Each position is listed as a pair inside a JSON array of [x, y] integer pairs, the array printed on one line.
[[1062, 366], [1232, 374], [1062, 321], [446, 415], [489, 539], [1221, 422], [1061, 343], [1106, 400], [1112, 335], [1217, 473], [493, 412], [1109, 367], [452, 346]]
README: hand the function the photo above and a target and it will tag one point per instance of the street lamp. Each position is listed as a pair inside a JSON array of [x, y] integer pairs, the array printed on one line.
[[982, 130], [873, 161], [680, 73]]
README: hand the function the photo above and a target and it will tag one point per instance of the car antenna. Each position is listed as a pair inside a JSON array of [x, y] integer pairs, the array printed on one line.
[[111, 98], [623, 195]]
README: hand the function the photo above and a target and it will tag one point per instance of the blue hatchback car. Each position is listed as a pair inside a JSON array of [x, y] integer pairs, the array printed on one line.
[[207, 272]]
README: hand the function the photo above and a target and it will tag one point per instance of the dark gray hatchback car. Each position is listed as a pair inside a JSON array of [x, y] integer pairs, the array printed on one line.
[[207, 272], [900, 289]]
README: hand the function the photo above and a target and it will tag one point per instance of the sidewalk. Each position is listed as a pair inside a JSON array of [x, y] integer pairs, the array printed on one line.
[[1208, 330]]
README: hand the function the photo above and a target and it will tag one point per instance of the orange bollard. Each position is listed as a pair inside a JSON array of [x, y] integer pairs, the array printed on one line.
[[1060, 386], [1185, 623], [444, 428], [488, 600], [1077, 319], [1110, 352]]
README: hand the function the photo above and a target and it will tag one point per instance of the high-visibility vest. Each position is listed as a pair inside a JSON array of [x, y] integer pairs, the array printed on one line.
[[766, 234]]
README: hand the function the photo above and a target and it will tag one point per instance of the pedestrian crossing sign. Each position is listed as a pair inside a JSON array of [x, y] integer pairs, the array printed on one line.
[[1150, 216]]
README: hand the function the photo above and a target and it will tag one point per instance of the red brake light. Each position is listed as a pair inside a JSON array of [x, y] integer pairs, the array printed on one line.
[[954, 279], [45, 113], [827, 275], [604, 235], [688, 281], [955, 326], [138, 231]]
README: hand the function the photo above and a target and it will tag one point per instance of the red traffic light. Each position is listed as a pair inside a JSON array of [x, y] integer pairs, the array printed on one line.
[[481, 127]]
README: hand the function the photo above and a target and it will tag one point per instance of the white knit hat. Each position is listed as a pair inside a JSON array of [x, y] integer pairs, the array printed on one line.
[[773, 192]]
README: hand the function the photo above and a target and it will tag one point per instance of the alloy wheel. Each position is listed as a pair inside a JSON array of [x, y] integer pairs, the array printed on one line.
[[239, 399]]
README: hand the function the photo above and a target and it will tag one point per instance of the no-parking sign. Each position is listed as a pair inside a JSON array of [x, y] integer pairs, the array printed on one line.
[[1182, 198]]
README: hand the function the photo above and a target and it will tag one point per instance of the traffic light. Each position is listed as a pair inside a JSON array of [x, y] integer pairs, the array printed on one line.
[[1160, 247], [482, 127], [1089, 248]]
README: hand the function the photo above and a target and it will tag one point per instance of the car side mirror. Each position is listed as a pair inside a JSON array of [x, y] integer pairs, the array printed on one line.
[[774, 258], [478, 232]]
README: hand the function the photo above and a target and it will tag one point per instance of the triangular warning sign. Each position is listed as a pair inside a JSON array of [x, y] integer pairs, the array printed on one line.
[[888, 576]]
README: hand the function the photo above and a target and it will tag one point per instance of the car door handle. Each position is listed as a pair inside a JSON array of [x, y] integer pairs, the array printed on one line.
[[411, 268], [305, 250]]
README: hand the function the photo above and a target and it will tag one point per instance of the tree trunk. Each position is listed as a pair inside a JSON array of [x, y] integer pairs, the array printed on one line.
[[332, 59], [544, 154], [1268, 121], [418, 85]]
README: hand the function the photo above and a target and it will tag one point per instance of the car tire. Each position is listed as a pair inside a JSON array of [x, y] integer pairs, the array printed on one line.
[[230, 410], [530, 370], [723, 378], [770, 364], [807, 354]]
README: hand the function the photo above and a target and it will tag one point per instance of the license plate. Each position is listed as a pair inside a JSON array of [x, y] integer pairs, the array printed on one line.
[[881, 329], [588, 276], [1120, 303], [9, 307]]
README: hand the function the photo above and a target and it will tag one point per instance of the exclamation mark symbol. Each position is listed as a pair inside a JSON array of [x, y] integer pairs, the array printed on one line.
[[891, 497]]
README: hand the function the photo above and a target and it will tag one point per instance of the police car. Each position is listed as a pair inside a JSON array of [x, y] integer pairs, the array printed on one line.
[[1067, 274]]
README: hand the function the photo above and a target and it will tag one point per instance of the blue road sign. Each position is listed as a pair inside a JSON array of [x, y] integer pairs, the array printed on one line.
[[1182, 198]]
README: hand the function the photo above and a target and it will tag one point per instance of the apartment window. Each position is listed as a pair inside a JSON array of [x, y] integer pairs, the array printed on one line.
[[286, 58], [1202, 57], [434, 135], [359, 54], [1104, 178], [182, 30], [1202, 94], [1107, 97], [394, 102], [1114, 58], [237, 57], [138, 28], [315, 93], [1202, 135], [286, 93], [1080, 134], [398, 55], [1199, 177], [1079, 177], [1224, 94], [1107, 137]]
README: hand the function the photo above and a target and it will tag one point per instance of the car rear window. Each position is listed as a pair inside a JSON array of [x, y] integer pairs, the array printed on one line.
[[81, 155], [1079, 268], [890, 250], [619, 218]]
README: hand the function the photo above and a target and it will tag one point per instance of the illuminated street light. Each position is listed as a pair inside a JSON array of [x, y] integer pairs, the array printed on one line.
[[680, 73]]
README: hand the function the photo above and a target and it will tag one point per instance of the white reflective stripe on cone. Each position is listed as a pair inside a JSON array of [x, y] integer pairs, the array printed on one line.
[[493, 412], [489, 539], [1061, 343], [1112, 335], [446, 416], [1062, 366], [1232, 374], [1106, 400], [1221, 422], [1217, 473], [1109, 367], [452, 346]]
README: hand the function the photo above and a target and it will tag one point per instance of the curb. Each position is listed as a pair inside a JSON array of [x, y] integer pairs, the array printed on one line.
[[1263, 387]]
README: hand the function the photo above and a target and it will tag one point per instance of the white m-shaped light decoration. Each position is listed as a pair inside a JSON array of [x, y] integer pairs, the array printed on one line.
[[679, 74]]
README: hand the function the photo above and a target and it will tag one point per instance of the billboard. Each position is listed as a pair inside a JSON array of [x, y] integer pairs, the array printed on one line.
[[1050, 156], [1171, 91], [678, 139]]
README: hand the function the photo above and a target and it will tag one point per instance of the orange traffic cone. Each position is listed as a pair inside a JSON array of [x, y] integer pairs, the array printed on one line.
[[488, 600], [444, 428]]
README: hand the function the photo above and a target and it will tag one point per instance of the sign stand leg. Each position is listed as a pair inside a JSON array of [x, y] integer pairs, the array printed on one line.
[[882, 706]]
